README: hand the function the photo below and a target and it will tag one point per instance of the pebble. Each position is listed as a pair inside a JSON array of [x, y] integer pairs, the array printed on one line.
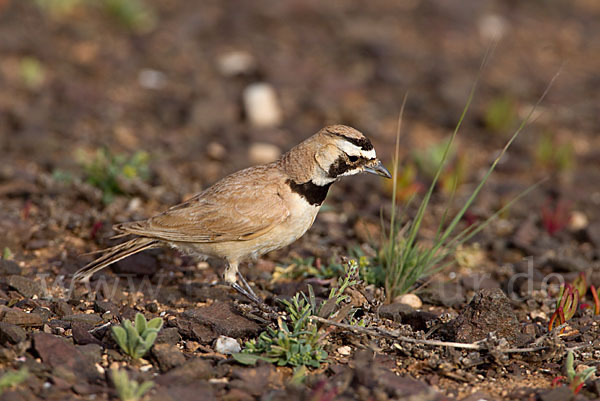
[[21, 318], [227, 345], [236, 62], [25, 286], [263, 153], [9, 267], [578, 221], [410, 300], [345, 350], [261, 105], [11, 333]]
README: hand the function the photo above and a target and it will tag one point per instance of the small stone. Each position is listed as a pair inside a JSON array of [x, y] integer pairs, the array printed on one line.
[[8, 267], [168, 335], [90, 319], [151, 79], [105, 306], [492, 27], [11, 333], [152, 307], [167, 356], [25, 286], [578, 221], [345, 350], [236, 62], [140, 264], [261, 105], [62, 308], [61, 355], [227, 345], [263, 153], [81, 334], [538, 314], [409, 299], [222, 319], [21, 318], [216, 151], [44, 313], [192, 371]]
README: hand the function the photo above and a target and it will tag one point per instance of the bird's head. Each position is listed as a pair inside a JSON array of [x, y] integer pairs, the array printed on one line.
[[344, 151]]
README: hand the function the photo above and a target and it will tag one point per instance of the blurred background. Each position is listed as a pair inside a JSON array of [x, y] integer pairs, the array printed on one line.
[[157, 99]]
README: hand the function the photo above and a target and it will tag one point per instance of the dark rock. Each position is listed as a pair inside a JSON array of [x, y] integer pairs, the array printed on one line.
[[223, 320], [254, 381], [563, 393], [152, 307], [63, 324], [86, 318], [395, 312], [201, 391], [62, 308], [36, 244], [405, 314], [81, 334], [201, 292], [445, 294], [8, 267], [92, 351], [105, 306], [24, 286], [128, 312], [168, 356], [489, 311], [20, 318], [192, 371], [168, 335], [44, 313], [11, 333], [59, 354], [140, 264]]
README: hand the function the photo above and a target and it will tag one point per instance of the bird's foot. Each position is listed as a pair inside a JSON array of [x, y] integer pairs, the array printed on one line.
[[247, 291]]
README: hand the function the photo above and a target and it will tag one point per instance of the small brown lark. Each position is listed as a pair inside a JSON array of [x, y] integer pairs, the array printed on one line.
[[253, 211]]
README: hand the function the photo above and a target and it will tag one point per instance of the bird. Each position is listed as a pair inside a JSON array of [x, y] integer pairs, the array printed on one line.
[[253, 211]]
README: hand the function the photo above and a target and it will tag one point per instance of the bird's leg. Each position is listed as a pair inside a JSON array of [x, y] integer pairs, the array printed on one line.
[[231, 274]]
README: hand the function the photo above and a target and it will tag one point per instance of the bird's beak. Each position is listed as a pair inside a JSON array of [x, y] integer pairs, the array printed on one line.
[[378, 169]]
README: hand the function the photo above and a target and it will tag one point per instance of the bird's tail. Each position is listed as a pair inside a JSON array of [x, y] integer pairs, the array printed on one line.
[[114, 254]]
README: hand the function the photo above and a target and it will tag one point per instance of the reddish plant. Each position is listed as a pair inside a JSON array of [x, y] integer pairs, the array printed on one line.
[[557, 217], [566, 305]]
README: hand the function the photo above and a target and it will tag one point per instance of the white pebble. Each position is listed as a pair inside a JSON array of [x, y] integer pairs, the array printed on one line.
[[263, 153], [345, 350], [236, 62], [410, 300], [151, 79], [261, 105], [492, 27], [578, 221], [227, 345]]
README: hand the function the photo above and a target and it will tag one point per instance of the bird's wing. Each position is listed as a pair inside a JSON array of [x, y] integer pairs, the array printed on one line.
[[239, 207]]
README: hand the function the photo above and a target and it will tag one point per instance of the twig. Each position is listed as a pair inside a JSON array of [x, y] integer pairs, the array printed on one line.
[[378, 332]]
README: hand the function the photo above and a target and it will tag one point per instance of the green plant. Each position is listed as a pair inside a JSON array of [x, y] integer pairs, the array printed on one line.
[[404, 260], [32, 72], [566, 305], [298, 342], [307, 267], [6, 253], [58, 8], [108, 171], [500, 114], [574, 380], [136, 341], [135, 15], [552, 155], [129, 390], [13, 378]]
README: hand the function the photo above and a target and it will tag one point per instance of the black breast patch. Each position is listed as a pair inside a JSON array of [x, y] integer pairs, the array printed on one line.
[[313, 193]]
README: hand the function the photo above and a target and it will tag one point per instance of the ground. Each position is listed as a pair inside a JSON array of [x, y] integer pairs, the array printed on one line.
[[156, 91]]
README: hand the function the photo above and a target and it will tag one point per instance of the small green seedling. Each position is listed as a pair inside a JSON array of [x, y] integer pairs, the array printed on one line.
[[12, 379], [6, 253], [574, 380], [136, 341], [129, 390]]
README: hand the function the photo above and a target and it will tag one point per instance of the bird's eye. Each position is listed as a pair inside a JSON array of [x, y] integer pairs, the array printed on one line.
[[353, 158]]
